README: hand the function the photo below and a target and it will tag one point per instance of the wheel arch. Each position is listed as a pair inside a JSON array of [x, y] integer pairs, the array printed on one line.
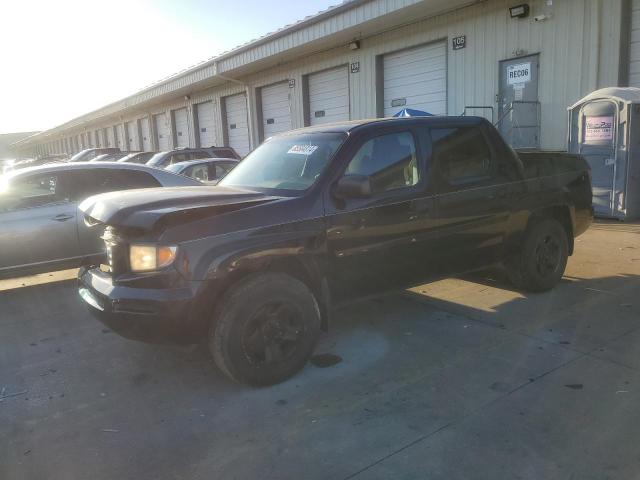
[[564, 214], [304, 268]]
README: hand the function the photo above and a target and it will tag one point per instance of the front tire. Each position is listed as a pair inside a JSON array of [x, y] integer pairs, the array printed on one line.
[[266, 329], [543, 257]]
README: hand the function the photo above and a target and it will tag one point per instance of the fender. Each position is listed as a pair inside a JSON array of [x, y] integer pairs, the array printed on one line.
[[299, 252]]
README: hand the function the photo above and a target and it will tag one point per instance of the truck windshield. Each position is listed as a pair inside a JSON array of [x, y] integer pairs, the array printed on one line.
[[290, 162]]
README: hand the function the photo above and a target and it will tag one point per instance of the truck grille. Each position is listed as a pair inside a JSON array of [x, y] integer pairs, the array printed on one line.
[[116, 250]]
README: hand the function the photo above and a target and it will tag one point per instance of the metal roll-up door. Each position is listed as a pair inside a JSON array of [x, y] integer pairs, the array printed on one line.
[[416, 78], [276, 109], [206, 124], [162, 131], [329, 96], [119, 134], [236, 123], [133, 142], [145, 131], [634, 48], [180, 119], [111, 142]]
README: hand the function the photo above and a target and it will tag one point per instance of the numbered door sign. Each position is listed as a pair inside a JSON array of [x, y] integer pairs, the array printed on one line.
[[459, 42]]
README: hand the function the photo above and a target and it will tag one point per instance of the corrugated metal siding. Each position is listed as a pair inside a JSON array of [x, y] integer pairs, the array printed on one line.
[[634, 50], [347, 19]]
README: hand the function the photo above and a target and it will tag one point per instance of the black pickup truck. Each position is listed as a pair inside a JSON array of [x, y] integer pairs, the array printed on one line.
[[320, 216]]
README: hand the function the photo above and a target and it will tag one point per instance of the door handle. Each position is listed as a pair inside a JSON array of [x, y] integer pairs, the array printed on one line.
[[63, 217]]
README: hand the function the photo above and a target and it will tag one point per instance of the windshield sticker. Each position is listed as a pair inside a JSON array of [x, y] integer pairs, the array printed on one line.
[[598, 129], [303, 149]]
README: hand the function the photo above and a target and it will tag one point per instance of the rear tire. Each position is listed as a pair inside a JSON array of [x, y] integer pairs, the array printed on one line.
[[265, 330], [543, 257]]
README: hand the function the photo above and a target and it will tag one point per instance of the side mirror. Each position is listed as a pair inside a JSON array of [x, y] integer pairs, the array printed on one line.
[[353, 186]]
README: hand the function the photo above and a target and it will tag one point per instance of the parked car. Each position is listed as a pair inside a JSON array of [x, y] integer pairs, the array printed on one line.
[[7, 164], [41, 230], [91, 153], [164, 159], [109, 157], [42, 160], [207, 170], [137, 157], [319, 216]]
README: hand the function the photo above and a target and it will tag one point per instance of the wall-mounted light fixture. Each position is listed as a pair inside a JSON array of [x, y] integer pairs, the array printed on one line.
[[519, 11], [355, 45]]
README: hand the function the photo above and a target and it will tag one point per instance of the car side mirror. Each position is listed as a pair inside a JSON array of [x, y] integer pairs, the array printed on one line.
[[353, 186]]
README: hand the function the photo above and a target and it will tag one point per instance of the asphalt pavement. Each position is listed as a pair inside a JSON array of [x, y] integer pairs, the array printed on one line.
[[458, 379]]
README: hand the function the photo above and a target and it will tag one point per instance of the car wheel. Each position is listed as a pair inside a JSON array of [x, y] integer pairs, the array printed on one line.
[[265, 330], [543, 257]]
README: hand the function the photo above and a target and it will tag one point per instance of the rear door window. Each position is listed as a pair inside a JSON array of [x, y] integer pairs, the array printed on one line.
[[197, 155], [199, 172], [97, 181], [461, 155], [35, 191], [176, 158]]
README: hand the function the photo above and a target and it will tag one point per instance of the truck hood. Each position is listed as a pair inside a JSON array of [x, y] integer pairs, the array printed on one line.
[[152, 208]]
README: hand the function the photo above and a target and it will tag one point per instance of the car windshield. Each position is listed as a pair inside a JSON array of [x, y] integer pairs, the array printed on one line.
[[290, 162], [79, 156], [158, 159]]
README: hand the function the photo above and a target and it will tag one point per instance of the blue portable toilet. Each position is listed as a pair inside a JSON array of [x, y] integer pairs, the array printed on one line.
[[604, 126]]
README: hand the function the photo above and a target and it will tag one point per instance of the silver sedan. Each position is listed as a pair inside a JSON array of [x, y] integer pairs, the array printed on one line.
[[40, 229]]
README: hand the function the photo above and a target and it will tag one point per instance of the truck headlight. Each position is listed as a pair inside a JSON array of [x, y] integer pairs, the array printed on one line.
[[148, 257]]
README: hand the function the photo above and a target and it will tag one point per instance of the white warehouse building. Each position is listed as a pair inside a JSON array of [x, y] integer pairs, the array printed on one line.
[[519, 64]]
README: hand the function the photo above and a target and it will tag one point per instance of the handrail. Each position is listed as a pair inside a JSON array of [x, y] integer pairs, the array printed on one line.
[[511, 109]]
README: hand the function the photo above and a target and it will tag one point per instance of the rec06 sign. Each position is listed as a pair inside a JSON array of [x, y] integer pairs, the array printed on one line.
[[519, 73]]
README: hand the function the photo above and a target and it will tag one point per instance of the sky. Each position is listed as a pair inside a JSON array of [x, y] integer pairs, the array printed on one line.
[[63, 58]]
